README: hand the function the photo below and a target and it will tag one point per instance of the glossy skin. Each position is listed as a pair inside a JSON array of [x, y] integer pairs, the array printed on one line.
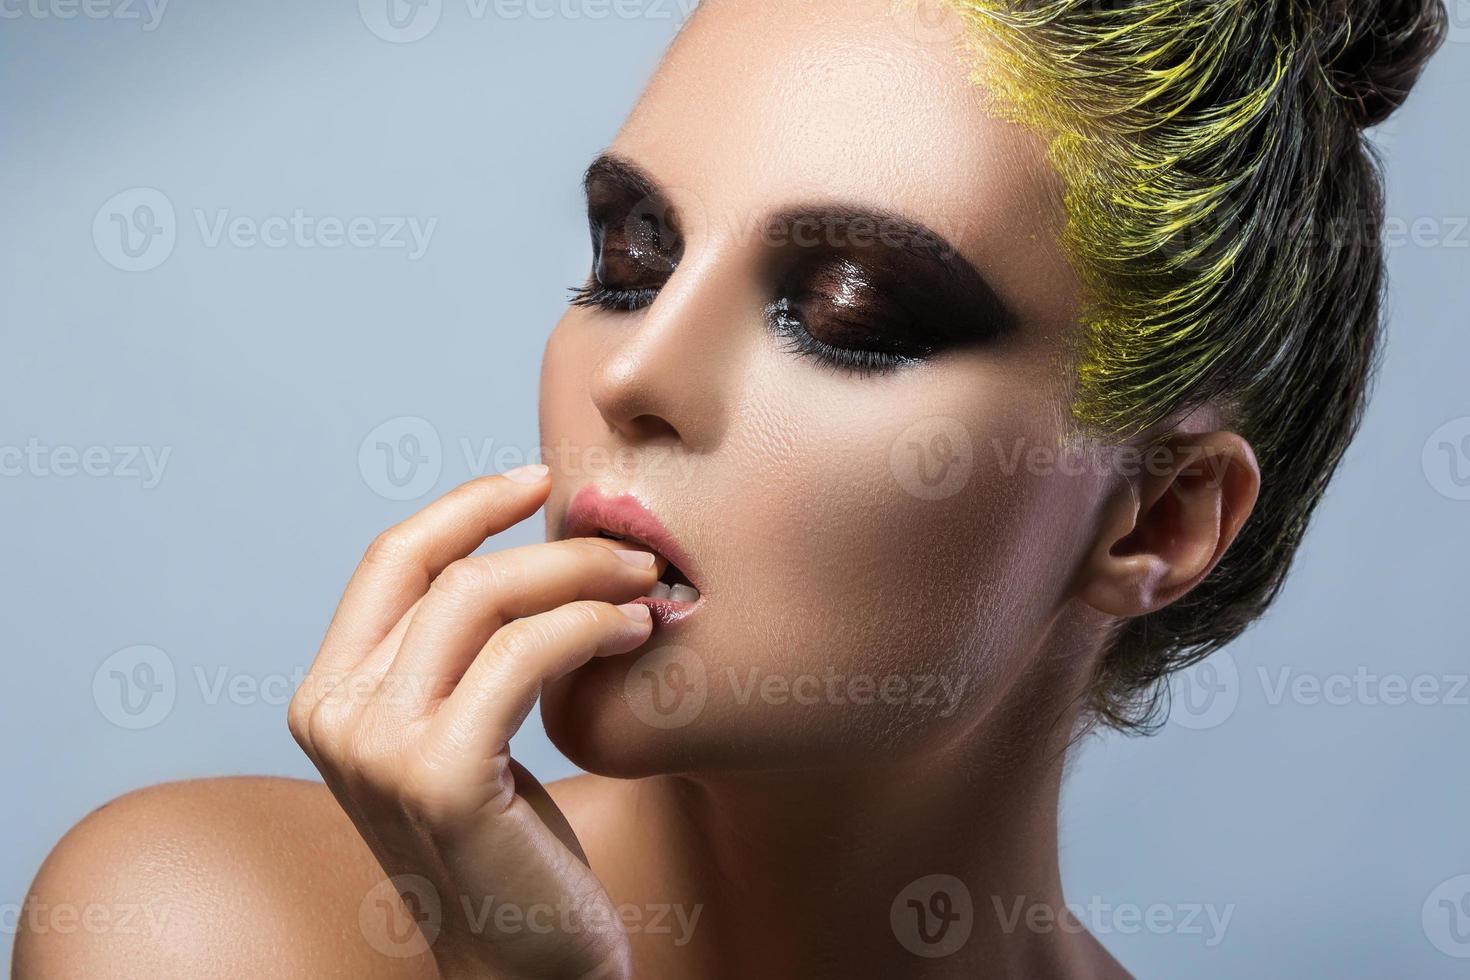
[[789, 827]]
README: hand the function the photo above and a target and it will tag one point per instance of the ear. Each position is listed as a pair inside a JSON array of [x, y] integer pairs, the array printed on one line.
[[1171, 522]]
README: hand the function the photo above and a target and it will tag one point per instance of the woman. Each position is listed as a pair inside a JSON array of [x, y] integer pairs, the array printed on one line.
[[959, 378]]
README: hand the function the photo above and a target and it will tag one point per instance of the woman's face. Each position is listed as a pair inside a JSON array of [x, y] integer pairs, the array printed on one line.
[[824, 344]]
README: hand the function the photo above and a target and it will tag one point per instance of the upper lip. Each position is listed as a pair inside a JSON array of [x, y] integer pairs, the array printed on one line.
[[591, 511]]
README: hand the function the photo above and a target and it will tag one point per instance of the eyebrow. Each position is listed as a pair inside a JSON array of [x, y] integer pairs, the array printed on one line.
[[909, 237], [623, 173]]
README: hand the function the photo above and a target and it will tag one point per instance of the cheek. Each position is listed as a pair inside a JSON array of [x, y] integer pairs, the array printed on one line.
[[904, 526], [885, 561], [563, 383], [574, 438]]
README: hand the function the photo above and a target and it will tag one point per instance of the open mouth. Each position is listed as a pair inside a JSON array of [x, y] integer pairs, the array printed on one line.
[[672, 585], [623, 517]]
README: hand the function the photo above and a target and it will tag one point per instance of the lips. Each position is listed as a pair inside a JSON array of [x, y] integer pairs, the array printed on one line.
[[623, 517]]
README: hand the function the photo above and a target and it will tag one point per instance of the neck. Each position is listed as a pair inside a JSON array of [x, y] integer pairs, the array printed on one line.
[[836, 873]]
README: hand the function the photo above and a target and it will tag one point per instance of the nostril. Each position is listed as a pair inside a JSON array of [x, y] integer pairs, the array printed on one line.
[[650, 427]]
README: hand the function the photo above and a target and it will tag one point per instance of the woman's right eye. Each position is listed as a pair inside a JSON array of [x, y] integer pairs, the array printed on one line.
[[631, 260]]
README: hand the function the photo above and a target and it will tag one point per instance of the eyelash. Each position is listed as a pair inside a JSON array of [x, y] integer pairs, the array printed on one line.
[[796, 339], [593, 295]]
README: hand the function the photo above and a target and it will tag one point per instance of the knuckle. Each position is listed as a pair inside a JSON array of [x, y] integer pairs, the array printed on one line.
[[298, 717], [320, 730], [525, 639], [586, 615], [518, 641], [328, 723], [467, 579], [393, 548]]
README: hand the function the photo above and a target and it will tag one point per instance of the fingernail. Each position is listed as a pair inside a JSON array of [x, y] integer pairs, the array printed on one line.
[[638, 559], [530, 473], [637, 612]]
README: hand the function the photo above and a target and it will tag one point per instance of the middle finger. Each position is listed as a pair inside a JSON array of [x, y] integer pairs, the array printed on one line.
[[476, 596]]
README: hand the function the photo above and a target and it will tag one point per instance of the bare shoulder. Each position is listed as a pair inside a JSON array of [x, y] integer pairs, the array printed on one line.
[[586, 800], [579, 796], [252, 876]]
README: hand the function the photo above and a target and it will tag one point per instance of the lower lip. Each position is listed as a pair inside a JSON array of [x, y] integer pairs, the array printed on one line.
[[666, 612]]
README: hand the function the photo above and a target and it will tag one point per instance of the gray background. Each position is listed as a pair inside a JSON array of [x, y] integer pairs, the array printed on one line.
[[1331, 827]]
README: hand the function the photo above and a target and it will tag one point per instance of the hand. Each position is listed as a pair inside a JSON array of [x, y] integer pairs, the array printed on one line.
[[431, 664]]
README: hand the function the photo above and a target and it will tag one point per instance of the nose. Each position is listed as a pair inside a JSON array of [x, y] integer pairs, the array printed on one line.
[[673, 375]]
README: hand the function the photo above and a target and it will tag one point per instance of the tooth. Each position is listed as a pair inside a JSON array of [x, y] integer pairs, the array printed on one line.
[[660, 590], [684, 593]]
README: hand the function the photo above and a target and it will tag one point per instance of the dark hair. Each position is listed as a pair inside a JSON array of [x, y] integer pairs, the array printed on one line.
[[1224, 212]]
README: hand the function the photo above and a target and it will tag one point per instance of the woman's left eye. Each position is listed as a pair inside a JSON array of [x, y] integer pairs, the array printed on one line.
[[837, 313], [865, 353]]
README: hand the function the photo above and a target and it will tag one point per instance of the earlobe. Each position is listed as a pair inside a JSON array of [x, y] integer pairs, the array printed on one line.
[[1170, 523]]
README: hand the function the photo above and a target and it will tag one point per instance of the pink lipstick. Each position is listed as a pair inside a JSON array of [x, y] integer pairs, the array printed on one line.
[[623, 517]]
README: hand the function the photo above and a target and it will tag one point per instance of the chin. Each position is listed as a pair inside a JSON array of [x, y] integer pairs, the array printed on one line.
[[591, 719], [620, 717], [588, 719]]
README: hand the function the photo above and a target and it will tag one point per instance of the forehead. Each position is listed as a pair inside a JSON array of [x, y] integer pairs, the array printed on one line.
[[766, 104]]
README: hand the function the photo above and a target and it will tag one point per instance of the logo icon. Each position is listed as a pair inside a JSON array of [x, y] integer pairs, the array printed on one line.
[[933, 916], [135, 688], [401, 916], [402, 458], [1205, 695], [1446, 459], [653, 234], [933, 458], [400, 21], [667, 688], [135, 230], [1446, 917]]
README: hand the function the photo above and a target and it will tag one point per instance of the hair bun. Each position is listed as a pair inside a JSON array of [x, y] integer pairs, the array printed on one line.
[[1374, 50]]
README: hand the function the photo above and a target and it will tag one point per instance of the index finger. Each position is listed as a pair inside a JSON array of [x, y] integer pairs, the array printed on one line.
[[402, 561]]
